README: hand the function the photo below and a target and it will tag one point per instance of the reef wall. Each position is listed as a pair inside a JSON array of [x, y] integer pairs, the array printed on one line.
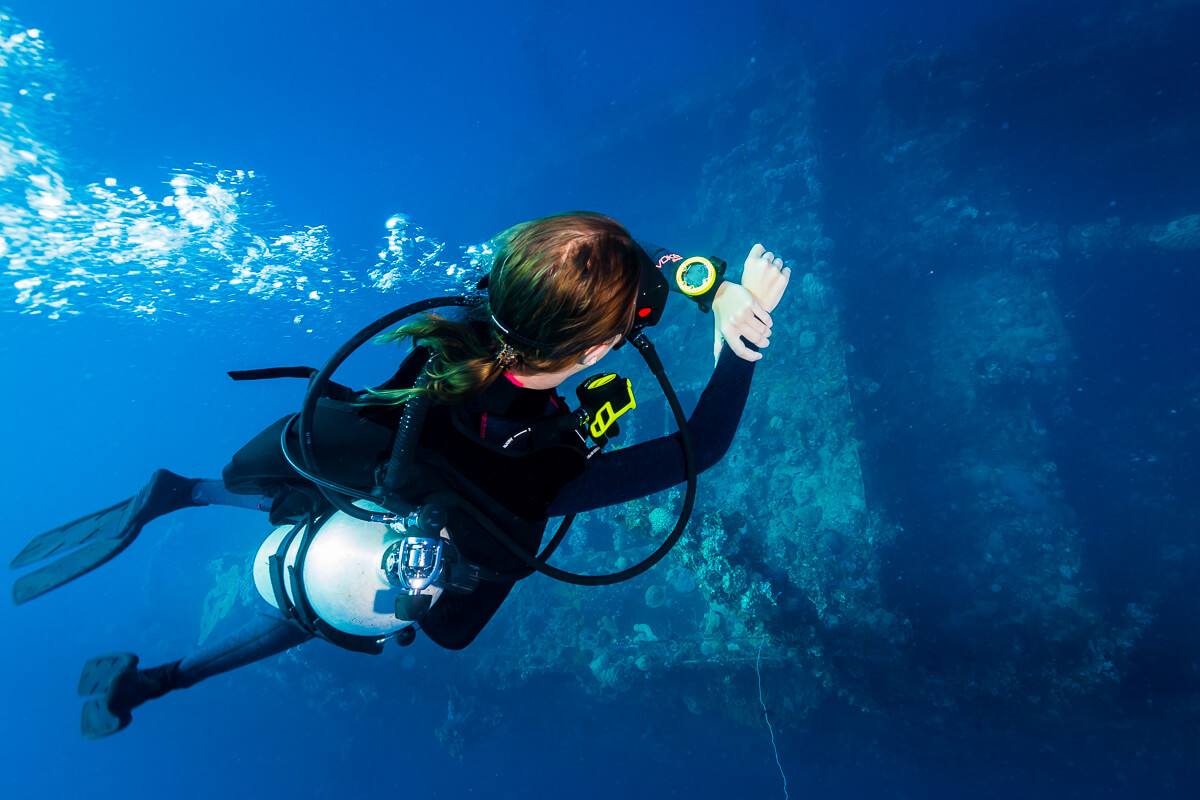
[[908, 525], [782, 560], [894, 525], [967, 207]]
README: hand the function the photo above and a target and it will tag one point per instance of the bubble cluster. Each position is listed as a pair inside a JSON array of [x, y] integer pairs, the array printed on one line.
[[115, 247], [203, 238], [411, 256]]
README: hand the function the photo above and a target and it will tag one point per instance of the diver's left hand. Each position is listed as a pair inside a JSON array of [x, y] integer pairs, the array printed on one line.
[[737, 314]]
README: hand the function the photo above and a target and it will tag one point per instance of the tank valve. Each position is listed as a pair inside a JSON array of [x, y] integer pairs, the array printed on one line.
[[414, 563]]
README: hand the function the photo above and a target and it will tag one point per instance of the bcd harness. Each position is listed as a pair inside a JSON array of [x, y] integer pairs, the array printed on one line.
[[419, 494]]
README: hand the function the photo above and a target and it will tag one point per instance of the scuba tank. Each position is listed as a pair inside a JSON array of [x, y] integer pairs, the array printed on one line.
[[358, 583], [345, 575]]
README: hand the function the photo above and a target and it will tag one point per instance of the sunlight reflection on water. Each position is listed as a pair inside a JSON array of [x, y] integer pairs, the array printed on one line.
[[205, 238]]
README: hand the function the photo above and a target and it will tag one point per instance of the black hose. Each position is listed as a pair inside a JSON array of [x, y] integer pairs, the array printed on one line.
[[408, 433], [320, 380], [337, 496]]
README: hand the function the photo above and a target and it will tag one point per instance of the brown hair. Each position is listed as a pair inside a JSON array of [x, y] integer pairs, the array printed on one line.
[[558, 285]]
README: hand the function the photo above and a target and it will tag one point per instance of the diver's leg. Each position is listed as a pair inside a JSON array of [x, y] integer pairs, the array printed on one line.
[[264, 636], [212, 492], [123, 687]]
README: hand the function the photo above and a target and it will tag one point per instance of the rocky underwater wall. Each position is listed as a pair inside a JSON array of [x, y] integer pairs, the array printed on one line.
[[967, 210], [781, 564], [905, 526], [892, 527]]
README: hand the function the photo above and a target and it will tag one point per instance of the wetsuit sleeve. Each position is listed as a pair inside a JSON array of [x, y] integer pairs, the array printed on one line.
[[660, 256], [649, 467]]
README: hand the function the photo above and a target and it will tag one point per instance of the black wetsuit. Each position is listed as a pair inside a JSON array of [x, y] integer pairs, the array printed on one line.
[[609, 478]]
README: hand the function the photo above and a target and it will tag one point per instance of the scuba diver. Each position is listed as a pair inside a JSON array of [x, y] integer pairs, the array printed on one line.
[[418, 503]]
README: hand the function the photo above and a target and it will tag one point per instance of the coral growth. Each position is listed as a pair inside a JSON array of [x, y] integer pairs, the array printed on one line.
[[229, 583], [1180, 234]]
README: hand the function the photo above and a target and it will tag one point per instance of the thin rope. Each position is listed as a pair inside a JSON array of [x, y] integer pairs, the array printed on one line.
[[767, 718]]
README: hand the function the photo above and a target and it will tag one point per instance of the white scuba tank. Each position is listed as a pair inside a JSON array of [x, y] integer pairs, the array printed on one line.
[[343, 575]]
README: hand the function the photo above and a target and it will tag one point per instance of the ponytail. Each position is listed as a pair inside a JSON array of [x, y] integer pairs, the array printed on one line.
[[465, 358]]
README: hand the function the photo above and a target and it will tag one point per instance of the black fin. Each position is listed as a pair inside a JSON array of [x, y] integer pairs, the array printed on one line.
[[90, 541], [100, 676]]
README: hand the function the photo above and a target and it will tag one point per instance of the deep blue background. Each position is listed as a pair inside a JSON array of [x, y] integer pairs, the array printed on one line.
[[467, 118]]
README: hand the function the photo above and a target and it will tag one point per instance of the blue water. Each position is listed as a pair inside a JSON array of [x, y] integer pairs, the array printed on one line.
[[983, 404]]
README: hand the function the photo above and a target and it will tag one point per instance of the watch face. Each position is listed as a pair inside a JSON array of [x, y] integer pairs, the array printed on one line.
[[696, 275]]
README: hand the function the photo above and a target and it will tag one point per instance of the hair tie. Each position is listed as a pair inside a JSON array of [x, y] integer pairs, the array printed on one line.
[[507, 356]]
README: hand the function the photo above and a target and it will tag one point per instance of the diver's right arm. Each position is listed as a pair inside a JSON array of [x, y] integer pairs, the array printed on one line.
[[643, 469], [649, 467]]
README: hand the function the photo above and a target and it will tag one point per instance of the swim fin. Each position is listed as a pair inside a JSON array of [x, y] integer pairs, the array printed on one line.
[[120, 687], [100, 677], [98, 537]]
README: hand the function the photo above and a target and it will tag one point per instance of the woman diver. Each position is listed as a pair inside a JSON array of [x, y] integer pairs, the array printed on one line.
[[420, 502]]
